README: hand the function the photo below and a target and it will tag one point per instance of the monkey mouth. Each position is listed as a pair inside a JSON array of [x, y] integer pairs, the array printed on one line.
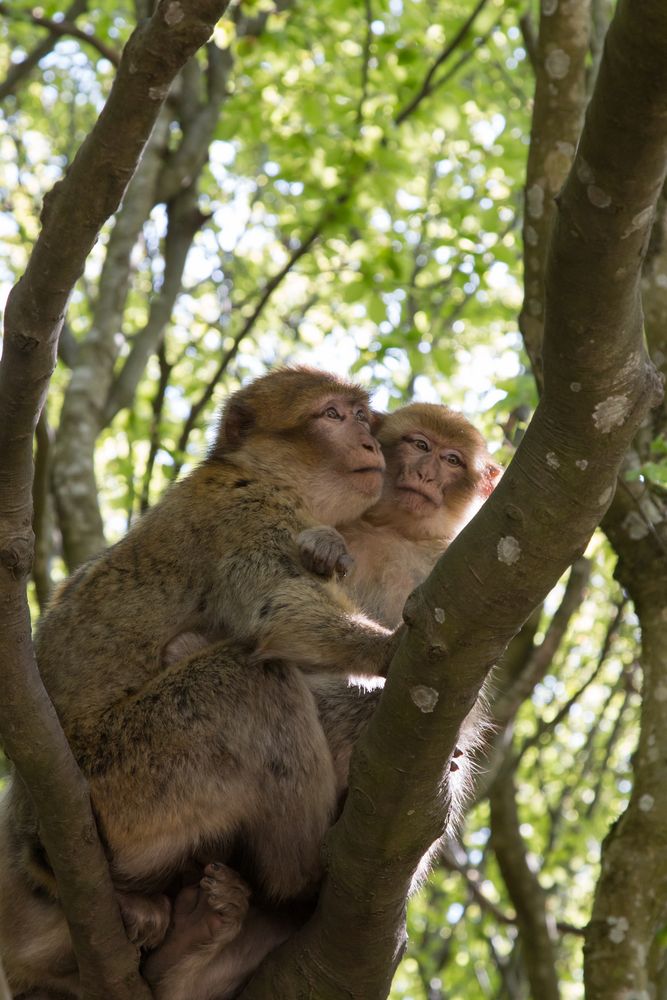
[[413, 491]]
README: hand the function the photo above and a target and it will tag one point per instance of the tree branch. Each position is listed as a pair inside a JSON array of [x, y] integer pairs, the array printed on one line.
[[64, 27], [73, 214], [598, 386], [21, 69]]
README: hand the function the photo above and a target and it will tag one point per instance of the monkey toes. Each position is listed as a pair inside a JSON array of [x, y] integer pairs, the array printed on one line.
[[146, 918], [208, 915], [227, 895], [323, 551]]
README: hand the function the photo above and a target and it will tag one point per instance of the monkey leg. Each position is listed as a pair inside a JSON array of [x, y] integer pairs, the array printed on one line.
[[216, 940], [214, 752]]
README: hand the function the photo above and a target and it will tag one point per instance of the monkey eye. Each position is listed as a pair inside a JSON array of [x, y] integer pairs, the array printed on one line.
[[420, 443], [452, 458], [363, 417], [332, 413]]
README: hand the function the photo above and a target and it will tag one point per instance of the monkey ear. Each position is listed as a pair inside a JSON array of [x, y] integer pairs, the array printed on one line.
[[237, 421], [489, 476], [377, 419]]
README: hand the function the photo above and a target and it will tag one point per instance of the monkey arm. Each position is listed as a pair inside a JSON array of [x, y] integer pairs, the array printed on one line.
[[317, 626]]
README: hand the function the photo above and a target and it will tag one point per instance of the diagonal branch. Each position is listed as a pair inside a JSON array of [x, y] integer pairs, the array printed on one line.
[[65, 27], [598, 387], [21, 69]]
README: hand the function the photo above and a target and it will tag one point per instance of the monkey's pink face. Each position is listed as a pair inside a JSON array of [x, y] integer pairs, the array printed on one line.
[[349, 462], [422, 470]]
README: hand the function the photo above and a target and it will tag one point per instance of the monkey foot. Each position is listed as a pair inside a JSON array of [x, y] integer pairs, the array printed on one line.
[[210, 914], [146, 918]]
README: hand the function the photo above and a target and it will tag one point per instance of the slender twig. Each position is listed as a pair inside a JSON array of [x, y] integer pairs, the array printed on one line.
[[250, 322], [64, 27], [427, 86]]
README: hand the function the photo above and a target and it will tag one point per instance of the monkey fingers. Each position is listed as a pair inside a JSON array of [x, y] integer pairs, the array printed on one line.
[[323, 550]]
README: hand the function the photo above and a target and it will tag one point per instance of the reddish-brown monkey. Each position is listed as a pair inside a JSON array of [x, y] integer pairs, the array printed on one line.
[[439, 472], [185, 760]]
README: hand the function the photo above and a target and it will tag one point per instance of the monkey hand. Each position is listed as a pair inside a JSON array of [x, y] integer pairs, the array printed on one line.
[[391, 645], [323, 551]]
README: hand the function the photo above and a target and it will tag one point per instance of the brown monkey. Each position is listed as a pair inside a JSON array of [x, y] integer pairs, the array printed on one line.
[[186, 760], [439, 472]]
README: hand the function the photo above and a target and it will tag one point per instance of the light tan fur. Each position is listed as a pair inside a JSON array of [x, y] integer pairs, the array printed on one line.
[[430, 492], [223, 746]]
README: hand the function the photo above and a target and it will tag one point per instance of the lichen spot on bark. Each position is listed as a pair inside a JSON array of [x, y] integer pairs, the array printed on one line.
[[439, 615], [531, 235], [611, 412], [575, 386], [618, 928], [646, 803], [174, 14], [509, 550], [158, 93], [549, 7], [584, 171], [598, 197], [660, 692], [638, 221], [635, 526], [552, 460], [535, 200], [557, 64], [605, 496], [425, 698], [582, 464]]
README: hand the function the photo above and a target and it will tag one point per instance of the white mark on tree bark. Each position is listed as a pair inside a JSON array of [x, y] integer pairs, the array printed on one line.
[[557, 64], [509, 550], [638, 222], [425, 698], [582, 464], [549, 7], [439, 615], [646, 803], [584, 172], [635, 526], [619, 927], [660, 694], [174, 14], [598, 197], [575, 386], [552, 460], [532, 238], [605, 497], [535, 199], [610, 413]]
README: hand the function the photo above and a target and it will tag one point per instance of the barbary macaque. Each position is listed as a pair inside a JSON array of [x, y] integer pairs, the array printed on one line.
[[439, 472], [187, 760]]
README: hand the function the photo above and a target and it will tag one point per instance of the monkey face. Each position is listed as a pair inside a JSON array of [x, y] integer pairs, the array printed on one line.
[[438, 471], [345, 462], [424, 471]]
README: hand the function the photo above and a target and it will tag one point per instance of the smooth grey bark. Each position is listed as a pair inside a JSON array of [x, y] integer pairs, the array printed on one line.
[[624, 950], [559, 61]]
